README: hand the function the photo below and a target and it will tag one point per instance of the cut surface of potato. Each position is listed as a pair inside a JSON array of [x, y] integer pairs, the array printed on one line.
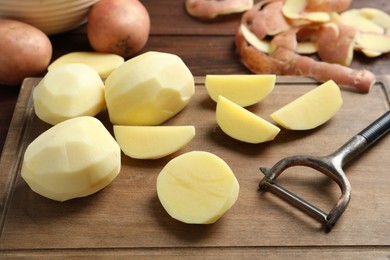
[[68, 91], [243, 125], [152, 142], [103, 63], [197, 187], [148, 89], [312, 109], [244, 90], [74, 158]]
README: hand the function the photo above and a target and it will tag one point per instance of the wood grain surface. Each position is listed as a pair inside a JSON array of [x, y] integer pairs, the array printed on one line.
[[126, 219], [128, 216]]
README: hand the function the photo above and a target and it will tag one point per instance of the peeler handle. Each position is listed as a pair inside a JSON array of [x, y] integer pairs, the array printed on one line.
[[376, 129]]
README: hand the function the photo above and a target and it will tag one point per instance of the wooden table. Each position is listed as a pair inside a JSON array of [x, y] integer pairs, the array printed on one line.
[[208, 48]]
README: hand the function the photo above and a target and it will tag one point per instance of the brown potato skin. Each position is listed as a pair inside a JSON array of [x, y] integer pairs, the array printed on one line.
[[25, 51], [118, 26]]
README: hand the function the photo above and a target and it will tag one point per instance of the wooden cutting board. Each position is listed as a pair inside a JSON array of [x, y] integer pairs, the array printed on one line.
[[128, 215]]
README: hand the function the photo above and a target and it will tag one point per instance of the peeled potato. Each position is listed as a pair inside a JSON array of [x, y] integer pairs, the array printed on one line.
[[69, 91], [152, 142], [243, 125], [75, 158], [148, 89], [197, 188], [103, 63], [311, 109], [244, 90]]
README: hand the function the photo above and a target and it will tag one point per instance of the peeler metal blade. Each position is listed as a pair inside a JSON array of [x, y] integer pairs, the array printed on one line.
[[331, 166]]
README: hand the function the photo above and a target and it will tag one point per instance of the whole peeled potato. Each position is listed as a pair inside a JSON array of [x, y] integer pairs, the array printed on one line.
[[118, 26], [25, 51]]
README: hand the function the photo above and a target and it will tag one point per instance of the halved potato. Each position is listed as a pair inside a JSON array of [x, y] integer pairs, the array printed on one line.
[[311, 109], [197, 187], [152, 142], [243, 125]]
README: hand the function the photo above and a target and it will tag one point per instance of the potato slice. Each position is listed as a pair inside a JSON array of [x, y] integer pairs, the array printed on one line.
[[103, 63], [148, 89], [244, 90], [197, 188], [75, 158], [312, 109], [69, 91], [243, 125], [152, 142]]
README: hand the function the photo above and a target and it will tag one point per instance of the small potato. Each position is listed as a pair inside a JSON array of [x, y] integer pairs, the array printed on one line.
[[69, 91], [25, 51], [118, 26]]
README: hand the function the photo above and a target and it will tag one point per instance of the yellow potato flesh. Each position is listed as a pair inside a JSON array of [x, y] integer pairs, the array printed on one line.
[[364, 20], [243, 125], [72, 159], [148, 89], [244, 90], [311, 109], [102, 63], [379, 43], [152, 142], [259, 44], [69, 91], [197, 188]]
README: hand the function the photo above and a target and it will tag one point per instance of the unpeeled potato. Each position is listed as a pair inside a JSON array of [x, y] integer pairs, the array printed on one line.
[[25, 51], [118, 26]]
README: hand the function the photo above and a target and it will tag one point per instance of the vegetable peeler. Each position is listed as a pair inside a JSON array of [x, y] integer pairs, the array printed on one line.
[[331, 166]]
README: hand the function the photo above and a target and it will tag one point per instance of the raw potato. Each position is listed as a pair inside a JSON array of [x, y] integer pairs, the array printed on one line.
[[152, 142], [103, 63], [197, 188], [243, 125], [69, 91], [148, 89], [366, 20], [118, 26], [25, 52], [75, 158], [311, 109], [244, 90]]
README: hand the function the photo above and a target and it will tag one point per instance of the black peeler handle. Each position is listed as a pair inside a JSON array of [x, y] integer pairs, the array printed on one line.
[[377, 129], [332, 166]]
